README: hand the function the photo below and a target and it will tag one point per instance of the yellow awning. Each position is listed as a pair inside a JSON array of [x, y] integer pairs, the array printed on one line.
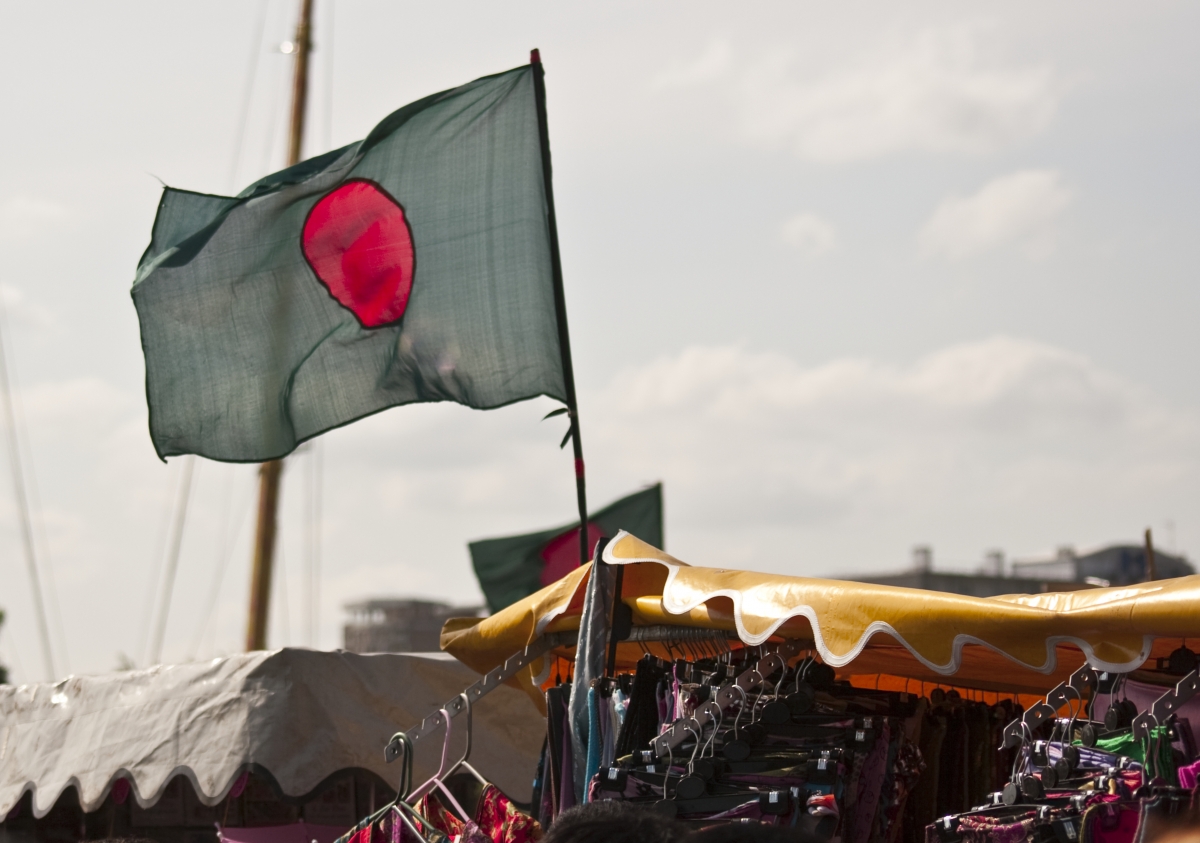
[[894, 636]]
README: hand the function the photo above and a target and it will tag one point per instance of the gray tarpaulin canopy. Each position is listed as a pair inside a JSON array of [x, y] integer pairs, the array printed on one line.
[[300, 714]]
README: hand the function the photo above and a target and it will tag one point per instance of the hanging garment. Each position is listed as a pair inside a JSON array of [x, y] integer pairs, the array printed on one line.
[[1110, 822], [496, 820], [594, 739], [502, 821], [813, 762], [1189, 774]]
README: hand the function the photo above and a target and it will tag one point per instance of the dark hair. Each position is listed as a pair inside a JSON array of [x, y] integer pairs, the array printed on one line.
[[750, 832], [613, 821]]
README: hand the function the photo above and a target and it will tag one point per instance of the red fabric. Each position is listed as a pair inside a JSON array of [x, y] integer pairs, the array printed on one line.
[[560, 556], [358, 242], [496, 819], [439, 816], [501, 820], [1114, 823]]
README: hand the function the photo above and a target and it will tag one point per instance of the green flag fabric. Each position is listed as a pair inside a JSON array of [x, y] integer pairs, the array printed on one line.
[[511, 568], [412, 266]]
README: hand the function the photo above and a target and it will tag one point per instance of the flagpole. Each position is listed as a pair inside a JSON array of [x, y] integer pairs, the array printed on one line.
[[269, 472], [560, 305]]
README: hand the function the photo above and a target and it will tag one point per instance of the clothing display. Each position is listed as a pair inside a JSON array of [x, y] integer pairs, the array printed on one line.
[[496, 820], [798, 749], [859, 765], [719, 695], [1091, 777], [436, 811]]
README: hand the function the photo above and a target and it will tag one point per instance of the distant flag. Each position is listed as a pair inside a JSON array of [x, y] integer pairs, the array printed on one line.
[[419, 264], [515, 567]]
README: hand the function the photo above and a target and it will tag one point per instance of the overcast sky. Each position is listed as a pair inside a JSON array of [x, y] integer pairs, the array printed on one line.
[[847, 278]]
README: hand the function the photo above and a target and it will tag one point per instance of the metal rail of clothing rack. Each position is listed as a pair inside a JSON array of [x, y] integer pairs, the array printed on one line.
[[682, 636]]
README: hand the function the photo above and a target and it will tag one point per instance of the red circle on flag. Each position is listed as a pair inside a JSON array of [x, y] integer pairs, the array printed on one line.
[[358, 242]]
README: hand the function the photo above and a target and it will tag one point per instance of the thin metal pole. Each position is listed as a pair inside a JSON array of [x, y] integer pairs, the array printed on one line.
[[269, 472], [18, 476], [181, 507], [560, 305]]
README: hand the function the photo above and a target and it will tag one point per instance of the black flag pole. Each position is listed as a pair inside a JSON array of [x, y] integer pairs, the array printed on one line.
[[560, 305]]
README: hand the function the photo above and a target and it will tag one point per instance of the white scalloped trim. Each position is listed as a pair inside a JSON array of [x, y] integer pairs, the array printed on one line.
[[836, 660], [40, 809]]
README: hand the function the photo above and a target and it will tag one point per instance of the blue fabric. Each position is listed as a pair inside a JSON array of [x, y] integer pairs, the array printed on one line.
[[589, 665], [593, 741]]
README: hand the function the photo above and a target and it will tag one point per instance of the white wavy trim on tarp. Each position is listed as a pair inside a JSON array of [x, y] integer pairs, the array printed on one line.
[[677, 606], [302, 715]]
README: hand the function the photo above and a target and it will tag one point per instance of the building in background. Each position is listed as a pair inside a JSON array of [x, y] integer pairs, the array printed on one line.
[[399, 625], [1118, 564], [1065, 571]]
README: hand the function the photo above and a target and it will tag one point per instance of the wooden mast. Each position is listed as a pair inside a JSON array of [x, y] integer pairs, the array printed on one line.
[[269, 472]]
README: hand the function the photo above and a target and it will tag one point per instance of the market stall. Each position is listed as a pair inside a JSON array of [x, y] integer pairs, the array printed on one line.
[[857, 711], [260, 739]]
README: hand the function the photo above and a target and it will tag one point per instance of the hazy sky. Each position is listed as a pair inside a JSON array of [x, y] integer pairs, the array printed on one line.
[[845, 277]]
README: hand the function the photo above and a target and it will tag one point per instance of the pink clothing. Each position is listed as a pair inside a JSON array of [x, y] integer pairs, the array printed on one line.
[[1189, 775]]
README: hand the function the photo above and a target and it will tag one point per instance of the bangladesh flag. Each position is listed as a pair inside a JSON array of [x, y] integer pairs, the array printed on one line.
[[511, 568], [414, 265]]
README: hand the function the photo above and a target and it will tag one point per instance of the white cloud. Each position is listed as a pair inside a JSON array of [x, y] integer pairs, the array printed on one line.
[[1017, 208], [20, 309], [767, 461], [809, 234], [941, 90], [768, 464], [22, 217], [712, 64]]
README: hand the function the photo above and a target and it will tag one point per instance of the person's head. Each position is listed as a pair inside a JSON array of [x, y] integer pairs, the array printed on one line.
[[613, 821], [750, 832]]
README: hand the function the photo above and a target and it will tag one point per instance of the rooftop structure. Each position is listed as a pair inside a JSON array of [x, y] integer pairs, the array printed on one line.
[[1065, 571], [398, 625]]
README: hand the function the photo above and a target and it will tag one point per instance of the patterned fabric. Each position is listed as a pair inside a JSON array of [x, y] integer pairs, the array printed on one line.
[[997, 829], [906, 772], [870, 784], [472, 833], [502, 821], [881, 825], [439, 816]]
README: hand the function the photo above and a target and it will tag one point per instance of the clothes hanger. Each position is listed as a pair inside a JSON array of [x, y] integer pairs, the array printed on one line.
[[690, 796], [1167, 704], [1082, 679], [1060, 769], [436, 780], [402, 808], [737, 749], [461, 763], [718, 715]]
